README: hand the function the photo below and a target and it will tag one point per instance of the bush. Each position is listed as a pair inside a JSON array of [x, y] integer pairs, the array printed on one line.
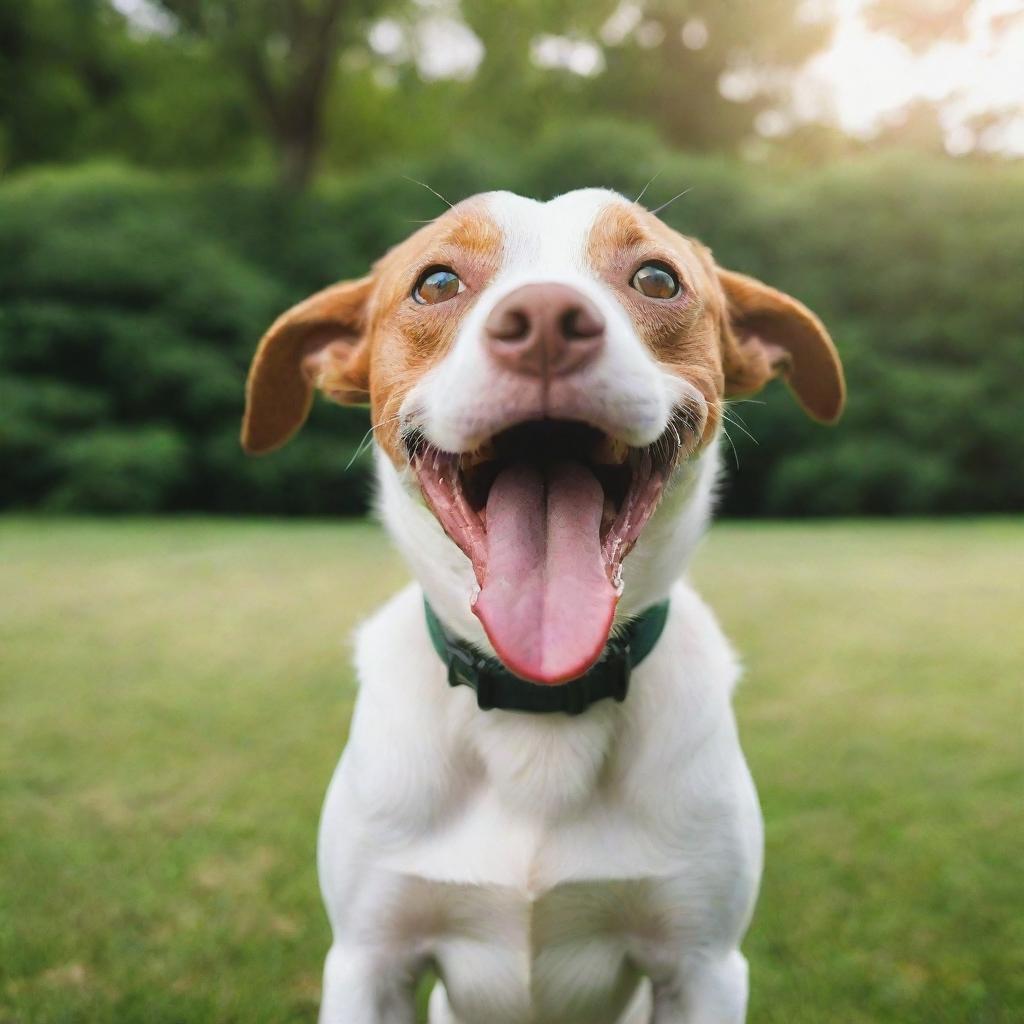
[[118, 470], [130, 307]]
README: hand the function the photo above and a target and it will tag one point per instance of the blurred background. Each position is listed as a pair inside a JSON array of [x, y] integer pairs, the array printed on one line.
[[175, 685], [177, 172]]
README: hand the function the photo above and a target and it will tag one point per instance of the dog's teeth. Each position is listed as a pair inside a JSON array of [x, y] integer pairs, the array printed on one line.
[[609, 451], [485, 453]]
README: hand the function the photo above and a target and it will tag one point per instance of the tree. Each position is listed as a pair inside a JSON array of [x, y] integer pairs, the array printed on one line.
[[57, 67], [286, 52], [660, 62], [702, 70]]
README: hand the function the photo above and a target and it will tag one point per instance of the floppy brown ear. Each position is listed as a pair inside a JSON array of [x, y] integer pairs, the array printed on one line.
[[769, 334], [318, 343]]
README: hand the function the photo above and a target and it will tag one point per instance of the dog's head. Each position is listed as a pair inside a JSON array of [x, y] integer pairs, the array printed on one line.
[[538, 372]]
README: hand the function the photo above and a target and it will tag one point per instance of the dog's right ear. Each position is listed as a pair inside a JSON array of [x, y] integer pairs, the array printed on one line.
[[770, 334], [320, 343]]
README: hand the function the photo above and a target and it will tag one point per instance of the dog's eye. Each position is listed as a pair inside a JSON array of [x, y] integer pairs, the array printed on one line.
[[437, 284], [656, 281]]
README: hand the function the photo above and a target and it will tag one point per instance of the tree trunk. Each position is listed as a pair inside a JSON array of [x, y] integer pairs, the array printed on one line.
[[298, 149], [293, 108]]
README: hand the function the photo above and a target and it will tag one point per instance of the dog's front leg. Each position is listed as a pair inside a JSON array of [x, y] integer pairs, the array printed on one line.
[[706, 989], [377, 954], [359, 988]]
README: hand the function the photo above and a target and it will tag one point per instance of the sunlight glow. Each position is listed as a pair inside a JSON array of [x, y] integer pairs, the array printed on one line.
[[866, 78]]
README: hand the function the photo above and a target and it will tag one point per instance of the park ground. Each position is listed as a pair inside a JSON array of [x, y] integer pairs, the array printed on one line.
[[175, 693]]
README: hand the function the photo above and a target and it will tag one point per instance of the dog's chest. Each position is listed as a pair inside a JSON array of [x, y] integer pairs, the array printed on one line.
[[535, 890], [562, 956], [531, 924]]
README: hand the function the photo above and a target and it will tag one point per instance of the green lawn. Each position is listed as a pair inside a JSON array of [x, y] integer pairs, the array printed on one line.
[[175, 694]]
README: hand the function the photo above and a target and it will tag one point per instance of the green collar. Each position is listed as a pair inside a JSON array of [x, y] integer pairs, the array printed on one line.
[[497, 687]]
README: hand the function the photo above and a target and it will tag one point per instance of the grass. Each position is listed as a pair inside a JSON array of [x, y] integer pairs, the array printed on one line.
[[175, 694]]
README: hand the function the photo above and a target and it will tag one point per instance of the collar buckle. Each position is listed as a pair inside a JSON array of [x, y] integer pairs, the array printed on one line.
[[621, 677]]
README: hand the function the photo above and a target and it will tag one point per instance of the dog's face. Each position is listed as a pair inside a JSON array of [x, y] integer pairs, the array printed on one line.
[[537, 371]]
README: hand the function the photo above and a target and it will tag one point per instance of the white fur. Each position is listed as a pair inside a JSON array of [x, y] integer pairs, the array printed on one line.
[[553, 870]]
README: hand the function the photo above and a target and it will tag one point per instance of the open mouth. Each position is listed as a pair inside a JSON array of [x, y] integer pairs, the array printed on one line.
[[546, 511]]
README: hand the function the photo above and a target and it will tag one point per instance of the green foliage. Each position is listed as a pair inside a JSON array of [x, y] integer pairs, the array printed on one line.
[[75, 83], [56, 64], [119, 470], [130, 307]]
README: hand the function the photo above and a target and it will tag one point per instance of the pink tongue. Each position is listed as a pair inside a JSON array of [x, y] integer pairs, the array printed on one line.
[[546, 601]]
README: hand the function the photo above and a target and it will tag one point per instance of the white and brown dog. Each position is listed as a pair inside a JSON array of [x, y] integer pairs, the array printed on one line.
[[547, 383]]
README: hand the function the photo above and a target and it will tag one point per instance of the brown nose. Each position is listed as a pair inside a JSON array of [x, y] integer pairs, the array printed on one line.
[[544, 330]]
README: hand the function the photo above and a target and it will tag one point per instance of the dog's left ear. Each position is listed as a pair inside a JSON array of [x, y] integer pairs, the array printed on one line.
[[768, 334], [319, 343]]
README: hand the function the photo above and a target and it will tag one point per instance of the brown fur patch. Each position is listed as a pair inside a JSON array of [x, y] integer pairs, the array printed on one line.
[[682, 333], [370, 338], [406, 339], [727, 334]]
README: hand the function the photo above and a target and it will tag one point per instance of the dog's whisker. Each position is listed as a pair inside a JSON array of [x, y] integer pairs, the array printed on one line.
[[679, 441], [741, 426], [367, 439], [643, 191], [664, 206], [415, 181], [360, 448], [735, 454], [384, 420]]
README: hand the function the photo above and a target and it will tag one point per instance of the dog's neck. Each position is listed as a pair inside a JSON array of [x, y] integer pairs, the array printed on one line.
[[661, 555]]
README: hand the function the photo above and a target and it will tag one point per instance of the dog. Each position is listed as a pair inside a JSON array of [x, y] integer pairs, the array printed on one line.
[[543, 798]]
